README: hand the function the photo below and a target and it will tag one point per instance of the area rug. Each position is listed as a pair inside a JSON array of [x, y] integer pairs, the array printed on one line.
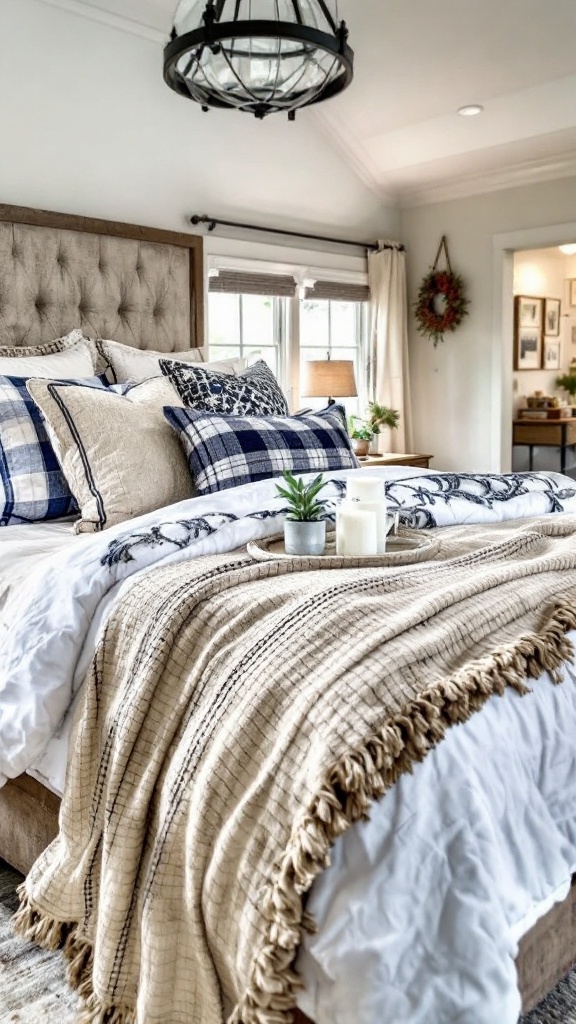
[[33, 987]]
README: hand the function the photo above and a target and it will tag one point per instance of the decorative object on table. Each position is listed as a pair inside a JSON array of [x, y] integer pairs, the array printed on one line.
[[442, 304], [356, 534], [404, 548], [552, 317], [220, 55], [544, 407], [551, 354], [329, 378], [360, 435], [364, 430], [304, 527]]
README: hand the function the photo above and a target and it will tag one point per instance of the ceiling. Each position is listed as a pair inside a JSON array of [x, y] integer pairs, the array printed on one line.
[[417, 61]]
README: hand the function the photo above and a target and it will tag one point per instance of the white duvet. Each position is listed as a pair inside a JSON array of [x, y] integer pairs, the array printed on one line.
[[421, 911]]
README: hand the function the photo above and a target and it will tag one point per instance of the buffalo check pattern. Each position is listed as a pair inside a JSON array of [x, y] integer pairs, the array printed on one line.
[[226, 451], [253, 392], [32, 485]]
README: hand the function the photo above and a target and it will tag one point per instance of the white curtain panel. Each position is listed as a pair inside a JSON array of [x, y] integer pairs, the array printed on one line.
[[388, 369]]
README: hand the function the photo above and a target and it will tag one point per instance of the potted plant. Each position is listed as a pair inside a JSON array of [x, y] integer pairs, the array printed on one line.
[[379, 416], [360, 435], [304, 528], [568, 382]]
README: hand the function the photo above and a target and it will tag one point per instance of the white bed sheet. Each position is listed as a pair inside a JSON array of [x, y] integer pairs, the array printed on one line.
[[21, 548]]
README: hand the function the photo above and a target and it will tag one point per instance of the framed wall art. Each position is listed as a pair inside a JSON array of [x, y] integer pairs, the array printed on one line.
[[529, 311], [552, 317], [551, 356], [528, 348], [572, 291]]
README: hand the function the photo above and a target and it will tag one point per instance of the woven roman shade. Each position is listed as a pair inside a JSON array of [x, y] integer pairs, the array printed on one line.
[[339, 291], [238, 283]]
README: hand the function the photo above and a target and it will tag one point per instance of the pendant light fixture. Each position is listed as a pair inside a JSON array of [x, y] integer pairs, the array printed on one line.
[[261, 56]]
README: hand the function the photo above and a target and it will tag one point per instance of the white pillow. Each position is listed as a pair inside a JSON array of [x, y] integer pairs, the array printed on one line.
[[72, 363], [119, 456], [139, 364]]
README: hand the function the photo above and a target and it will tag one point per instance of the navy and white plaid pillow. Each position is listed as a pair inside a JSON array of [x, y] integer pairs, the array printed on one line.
[[32, 485], [253, 392], [225, 451]]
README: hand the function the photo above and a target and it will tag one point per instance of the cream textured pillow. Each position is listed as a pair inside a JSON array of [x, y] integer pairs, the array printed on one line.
[[139, 364], [119, 456], [72, 356]]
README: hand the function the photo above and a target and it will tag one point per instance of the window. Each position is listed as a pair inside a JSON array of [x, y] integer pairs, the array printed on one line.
[[337, 330], [330, 322], [251, 326]]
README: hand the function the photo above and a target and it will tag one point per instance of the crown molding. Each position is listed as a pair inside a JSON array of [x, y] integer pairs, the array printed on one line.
[[529, 172], [84, 9], [351, 150]]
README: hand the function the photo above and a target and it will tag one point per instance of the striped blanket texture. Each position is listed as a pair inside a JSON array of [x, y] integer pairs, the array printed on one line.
[[237, 718]]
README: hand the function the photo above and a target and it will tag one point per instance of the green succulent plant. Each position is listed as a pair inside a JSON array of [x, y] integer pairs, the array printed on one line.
[[303, 504]]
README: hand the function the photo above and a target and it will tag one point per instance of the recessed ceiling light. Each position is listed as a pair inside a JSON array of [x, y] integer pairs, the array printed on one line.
[[470, 110], [568, 249]]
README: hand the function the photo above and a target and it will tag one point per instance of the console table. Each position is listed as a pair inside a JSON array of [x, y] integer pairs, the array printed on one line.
[[546, 434], [395, 459]]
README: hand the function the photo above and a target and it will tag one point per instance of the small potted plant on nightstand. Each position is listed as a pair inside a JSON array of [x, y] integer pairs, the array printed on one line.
[[361, 434], [304, 527], [381, 416]]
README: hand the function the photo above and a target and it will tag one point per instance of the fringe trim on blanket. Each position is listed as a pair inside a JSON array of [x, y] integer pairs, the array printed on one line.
[[54, 935], [348, 789], [365, 775]]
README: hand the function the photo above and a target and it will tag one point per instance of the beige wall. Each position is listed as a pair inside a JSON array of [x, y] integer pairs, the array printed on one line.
[[462, 390]]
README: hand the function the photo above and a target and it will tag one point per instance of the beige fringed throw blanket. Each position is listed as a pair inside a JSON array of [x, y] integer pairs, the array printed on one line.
[[237, 718]]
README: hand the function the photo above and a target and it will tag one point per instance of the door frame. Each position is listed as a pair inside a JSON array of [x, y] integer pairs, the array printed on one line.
[[504, 247]]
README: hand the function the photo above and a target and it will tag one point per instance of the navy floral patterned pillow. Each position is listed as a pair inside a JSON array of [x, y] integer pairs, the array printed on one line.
[[254, 392]]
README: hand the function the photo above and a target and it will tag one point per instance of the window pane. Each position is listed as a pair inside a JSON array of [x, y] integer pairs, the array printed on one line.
[[224, 352], [257, 320], [224, 319], [343, 323], [314, 324]]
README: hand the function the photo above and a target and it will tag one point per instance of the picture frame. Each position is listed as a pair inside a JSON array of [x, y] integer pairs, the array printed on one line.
[[552, 317], [528, 348], [572, 291], [551, 354], [529, 311]]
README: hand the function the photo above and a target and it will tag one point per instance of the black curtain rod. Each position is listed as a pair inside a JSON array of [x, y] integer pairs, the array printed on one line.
[[212, 222]]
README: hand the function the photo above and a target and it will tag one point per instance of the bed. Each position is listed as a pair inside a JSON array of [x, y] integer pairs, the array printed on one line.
[[29, 804]]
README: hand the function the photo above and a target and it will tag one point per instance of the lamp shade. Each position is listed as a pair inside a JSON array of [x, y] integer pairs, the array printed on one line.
[[333, 378]]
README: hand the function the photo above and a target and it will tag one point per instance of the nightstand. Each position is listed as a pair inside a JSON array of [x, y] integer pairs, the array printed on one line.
[[394, 459]]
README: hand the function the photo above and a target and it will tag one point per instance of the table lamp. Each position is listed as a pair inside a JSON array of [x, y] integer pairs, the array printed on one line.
[[333, 378]]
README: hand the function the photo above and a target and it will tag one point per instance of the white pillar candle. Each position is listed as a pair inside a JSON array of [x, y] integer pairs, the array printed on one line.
[[378, 507], [356, 532], [364, 488]]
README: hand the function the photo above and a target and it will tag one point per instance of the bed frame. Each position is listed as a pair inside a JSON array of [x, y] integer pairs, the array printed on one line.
[[144, 287]]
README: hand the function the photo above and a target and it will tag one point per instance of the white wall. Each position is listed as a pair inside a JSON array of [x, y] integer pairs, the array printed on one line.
[[89, 127], [459, 388]]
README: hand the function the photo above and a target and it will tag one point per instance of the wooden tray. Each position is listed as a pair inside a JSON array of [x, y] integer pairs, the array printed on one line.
[[406, 547]]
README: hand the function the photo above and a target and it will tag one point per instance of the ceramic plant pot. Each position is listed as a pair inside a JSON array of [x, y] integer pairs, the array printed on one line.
[[360, 446], [304, 538]]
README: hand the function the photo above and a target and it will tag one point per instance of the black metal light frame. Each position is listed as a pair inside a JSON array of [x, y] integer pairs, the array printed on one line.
[[214, 32]]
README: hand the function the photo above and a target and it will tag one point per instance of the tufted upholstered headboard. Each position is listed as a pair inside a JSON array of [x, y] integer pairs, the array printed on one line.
[[141, 286]]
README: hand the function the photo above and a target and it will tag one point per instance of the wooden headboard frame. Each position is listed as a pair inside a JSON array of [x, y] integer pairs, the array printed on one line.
[[155, 252]]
